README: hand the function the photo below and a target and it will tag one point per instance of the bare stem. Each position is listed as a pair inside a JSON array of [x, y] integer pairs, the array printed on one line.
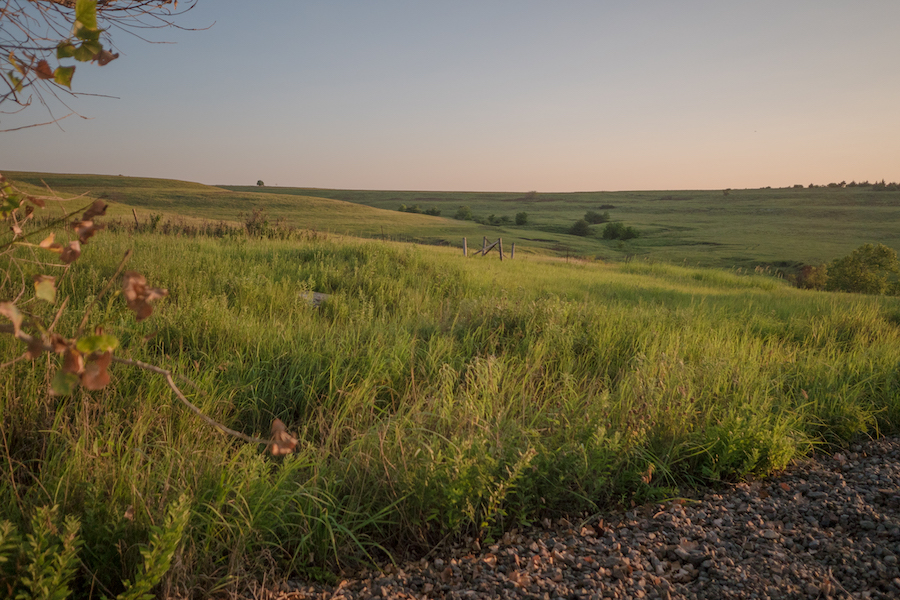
[[186, 402]]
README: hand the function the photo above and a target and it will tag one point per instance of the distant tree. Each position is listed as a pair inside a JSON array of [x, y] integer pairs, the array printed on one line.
[[464, 213], [726, 192], [812, 277], [618, 231], [522, 218], [434, 212], [531, 195], [581, 227], [870, 269], [260, 183], [593, 217]]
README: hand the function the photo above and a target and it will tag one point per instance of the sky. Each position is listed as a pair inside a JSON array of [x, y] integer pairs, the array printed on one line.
[[490, 95]]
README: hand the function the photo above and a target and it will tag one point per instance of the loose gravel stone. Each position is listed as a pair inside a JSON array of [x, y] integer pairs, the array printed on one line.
[[826, 528]]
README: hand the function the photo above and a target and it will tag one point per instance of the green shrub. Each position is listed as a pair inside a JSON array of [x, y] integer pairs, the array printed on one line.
[[870, 269], [593, 217], [581, 227]]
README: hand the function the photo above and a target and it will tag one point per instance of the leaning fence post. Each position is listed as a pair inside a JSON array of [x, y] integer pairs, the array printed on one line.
[[465, 248], [500, 246]]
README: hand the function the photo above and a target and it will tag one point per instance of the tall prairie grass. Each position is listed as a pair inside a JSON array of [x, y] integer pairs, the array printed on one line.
[[432, 395]]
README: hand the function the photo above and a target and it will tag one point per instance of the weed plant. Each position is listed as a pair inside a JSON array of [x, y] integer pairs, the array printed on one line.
[[432, 395]]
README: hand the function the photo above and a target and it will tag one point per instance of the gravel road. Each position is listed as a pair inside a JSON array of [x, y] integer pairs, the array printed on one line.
[[826, 528]]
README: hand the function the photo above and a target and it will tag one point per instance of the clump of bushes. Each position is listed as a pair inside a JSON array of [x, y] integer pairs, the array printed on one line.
[[463, 213], [870, 269], [618, 231], [593, 217], [581, 227], [417, 210]]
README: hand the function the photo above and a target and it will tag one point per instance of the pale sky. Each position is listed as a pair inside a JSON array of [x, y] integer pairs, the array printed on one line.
[[492, 95]]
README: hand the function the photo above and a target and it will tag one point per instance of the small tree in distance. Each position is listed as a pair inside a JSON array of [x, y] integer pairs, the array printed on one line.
[[260, 183], [870, 269], [522, 218], [581, 227]]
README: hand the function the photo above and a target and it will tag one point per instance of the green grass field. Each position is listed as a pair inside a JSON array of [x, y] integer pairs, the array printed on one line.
[[782, 228], [432, 395]]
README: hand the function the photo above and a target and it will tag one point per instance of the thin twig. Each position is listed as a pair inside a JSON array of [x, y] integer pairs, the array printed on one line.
[[14, 361], [52, 225], [186, 402], [109, 284]]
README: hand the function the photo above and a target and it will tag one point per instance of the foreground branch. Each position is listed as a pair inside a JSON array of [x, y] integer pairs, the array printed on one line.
[[35, 343]]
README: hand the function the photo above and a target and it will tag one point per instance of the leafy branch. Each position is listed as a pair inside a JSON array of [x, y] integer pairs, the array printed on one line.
[[86, 358]]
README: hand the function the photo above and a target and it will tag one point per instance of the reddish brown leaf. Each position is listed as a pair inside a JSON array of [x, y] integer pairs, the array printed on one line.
[[104, 57], [129, 513], [97, 209], [71, 252], [37, 201], [95, 376], [138, 295], [86, 229], [59, 343], [73, 362], [35, 348], [283, 443], [43, 70]]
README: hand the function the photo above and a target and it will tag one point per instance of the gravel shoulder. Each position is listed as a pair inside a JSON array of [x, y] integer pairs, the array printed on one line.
[[826, 528]]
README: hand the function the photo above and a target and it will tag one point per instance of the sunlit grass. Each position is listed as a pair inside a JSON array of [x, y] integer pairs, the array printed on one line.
[[431, 394]]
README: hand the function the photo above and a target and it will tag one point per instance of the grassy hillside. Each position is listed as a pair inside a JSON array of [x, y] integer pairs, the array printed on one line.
[[431, 395], [744, 229]]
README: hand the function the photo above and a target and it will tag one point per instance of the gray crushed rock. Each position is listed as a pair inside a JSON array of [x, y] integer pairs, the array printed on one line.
[[827, 528]]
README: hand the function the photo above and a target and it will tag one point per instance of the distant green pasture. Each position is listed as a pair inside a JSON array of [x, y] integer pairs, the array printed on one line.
[[781, 228]]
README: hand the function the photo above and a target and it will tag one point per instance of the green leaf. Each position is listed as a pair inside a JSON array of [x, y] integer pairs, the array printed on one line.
[[93, 46], [86, 13], [65, 50], [16, 81], [45, 288], [83, 54], [64, 383], [15, 63], [63, 75], [97, 343]]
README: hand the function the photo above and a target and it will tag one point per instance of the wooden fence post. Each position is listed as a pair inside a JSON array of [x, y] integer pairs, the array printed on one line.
[[465, 248], [483, 245], [500, 246], [512, 254]]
